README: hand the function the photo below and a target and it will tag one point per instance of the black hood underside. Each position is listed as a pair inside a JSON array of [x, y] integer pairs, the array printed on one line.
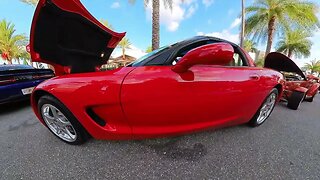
[[282, 63]]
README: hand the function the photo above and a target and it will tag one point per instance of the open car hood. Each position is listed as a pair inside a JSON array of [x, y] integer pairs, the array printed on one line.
[[65, 35], [280, 62]]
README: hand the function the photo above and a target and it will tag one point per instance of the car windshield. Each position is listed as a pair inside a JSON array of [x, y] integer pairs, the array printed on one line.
[[138, 61]]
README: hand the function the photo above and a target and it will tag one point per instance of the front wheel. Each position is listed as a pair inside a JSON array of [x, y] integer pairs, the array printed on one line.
[[265, 109], [60, 121]]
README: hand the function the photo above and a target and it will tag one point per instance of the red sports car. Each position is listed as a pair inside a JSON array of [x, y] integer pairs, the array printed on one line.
[[297, 87], [192, 85]]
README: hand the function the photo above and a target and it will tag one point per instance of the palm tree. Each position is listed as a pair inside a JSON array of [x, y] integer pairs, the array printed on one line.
[[25, 57], [269, 17], [313, 66], [12, 46], [149, 49], [31, 2], [250, 46], [295, 43], [106, 23], [124, 44], [259, 62], [156, 19]]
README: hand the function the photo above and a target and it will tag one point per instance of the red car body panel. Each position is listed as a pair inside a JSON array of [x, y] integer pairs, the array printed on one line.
[[99, 91], [203, 55], [146, 101], [210, 97]]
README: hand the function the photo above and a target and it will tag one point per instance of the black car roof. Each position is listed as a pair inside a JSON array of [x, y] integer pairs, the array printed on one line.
[[199, 38], [178, 45]]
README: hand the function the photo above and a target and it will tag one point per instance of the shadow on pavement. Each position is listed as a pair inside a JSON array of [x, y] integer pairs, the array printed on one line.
[[13, 107]]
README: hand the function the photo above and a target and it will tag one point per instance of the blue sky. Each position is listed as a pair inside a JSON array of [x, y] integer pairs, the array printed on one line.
[[193, 17]]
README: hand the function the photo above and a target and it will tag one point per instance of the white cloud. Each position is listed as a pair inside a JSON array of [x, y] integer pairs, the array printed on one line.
[[207, 3], [235, 23], [132, 51], [172, 18], [115, 5], [191, 10], [225, 34]]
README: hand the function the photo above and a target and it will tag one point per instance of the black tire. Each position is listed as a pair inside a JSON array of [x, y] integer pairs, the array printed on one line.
[[295, 100], [310, 99], [81, 134], [254, 121]]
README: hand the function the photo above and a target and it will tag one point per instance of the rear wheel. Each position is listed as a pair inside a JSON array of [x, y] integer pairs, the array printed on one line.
[[310, 99], [265, 109], [295, 100], [60, 121]]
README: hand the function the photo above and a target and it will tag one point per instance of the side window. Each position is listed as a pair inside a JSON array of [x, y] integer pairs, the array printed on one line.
[[185, 50], [237, 60]]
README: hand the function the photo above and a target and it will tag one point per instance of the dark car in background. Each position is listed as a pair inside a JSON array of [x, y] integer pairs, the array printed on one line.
[[18, 81]]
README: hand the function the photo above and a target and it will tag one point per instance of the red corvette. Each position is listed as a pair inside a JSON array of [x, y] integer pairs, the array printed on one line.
[[297, 87], [195, 84]]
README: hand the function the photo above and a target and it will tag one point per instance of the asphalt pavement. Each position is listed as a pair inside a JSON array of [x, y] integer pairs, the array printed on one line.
[[287, 146]]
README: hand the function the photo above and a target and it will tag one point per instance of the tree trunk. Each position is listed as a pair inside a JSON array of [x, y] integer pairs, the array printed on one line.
[[271, 30], [290, 53], [155, 24], [242, 25], [123, 53], [9, 60], [257, 55]]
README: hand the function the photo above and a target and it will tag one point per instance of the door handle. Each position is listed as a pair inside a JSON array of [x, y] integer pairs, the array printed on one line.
[[255, 77]]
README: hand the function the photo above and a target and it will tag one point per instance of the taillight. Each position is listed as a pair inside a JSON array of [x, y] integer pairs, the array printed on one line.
[[42, 76], [7, 80]]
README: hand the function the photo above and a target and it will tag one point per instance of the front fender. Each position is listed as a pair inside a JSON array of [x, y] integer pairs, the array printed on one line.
[[301, 89], [313, 89], [98, 92]]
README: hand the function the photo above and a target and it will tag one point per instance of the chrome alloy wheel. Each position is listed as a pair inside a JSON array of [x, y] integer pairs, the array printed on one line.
[[266, 108], [58, 123]]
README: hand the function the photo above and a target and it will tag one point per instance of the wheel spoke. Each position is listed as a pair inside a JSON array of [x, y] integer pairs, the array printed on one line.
[[266, 108], [58, 123], [54, 112]]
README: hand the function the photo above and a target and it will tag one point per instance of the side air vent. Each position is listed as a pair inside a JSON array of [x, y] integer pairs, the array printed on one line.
[[95, 117]]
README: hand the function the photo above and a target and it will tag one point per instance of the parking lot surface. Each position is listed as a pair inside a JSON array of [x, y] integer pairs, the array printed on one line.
[[287, 146]]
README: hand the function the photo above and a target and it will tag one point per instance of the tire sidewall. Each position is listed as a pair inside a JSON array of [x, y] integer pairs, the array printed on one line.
[[254, 121], [294, 102], [81, 133]]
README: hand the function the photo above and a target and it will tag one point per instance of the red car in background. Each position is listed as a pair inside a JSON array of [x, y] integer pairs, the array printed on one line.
[[313, 78], [196, 84], [297, 86]]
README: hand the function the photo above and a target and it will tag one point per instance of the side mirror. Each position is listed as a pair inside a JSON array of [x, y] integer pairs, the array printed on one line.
[[211, 54]]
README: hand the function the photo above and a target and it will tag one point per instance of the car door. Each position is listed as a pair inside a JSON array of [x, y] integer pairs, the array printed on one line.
[[157, 100]]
